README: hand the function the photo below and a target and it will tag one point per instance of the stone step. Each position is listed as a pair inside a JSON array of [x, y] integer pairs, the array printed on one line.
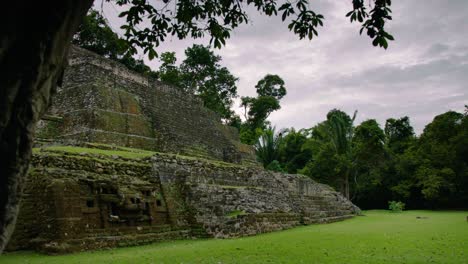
[[331, 219], [118, 231], [87, 243]]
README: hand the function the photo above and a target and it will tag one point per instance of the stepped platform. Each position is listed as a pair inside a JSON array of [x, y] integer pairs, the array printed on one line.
[[97, 196], [122, 159]]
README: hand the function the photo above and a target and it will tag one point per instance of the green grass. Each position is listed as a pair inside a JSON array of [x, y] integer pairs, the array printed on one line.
[[78, 150], [124, 152], [377, 237], [236, 213]]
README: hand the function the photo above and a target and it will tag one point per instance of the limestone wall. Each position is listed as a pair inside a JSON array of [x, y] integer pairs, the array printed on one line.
[[102, 101], [229, 200], [79, 199], [76, 201]]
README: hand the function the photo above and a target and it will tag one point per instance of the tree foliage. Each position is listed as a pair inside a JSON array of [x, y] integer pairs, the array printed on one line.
[[294, 154], [429, 171], [202, 75], [168, 72], [270, 90], [271, 85], [399, 134], [267, 148], [196, 18], [96, 35], [335, 142]]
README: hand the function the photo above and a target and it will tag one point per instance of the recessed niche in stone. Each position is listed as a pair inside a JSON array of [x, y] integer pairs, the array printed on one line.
[[90, 203]]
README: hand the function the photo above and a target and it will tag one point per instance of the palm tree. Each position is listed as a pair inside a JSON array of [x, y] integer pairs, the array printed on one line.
[[267, 146], [340, 130]]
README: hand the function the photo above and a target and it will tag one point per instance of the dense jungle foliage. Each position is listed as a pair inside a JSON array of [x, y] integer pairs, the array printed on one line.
[[375, 165]]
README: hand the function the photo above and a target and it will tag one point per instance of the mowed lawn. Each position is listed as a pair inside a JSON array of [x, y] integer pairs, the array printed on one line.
[[377, 237]]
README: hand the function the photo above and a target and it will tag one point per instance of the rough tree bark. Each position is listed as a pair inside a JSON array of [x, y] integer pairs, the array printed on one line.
[[34, 39]]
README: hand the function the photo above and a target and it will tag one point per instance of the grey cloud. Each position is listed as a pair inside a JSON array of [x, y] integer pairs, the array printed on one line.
[[452, 70], [437, 49]]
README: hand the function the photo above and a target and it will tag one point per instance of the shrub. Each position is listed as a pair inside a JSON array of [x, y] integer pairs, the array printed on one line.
[[236, 213], [275, 166], [395, 206]]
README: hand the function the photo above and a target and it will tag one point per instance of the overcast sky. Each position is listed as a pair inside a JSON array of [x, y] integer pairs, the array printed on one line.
[[424, 72]]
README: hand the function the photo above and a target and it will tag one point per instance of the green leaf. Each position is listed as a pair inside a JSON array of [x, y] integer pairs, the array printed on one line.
[[375, 42], [384, 43], [152, 54]]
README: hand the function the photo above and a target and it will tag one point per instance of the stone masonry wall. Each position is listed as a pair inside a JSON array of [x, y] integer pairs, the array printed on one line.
[[102, 101], [79, 200], [229, 200]]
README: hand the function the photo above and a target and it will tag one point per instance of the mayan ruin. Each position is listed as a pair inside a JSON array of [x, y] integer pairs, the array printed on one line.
[[122, 160]]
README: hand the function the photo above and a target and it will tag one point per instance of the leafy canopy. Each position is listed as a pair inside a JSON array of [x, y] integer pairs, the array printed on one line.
[[270, 90], [195, 18], [271, 85], [169, 73], [201, 74], [96, 35]]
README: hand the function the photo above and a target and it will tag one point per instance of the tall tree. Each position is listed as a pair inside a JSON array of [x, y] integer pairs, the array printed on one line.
[[34, 40], [341, 129], [433, 170], [32, 58], [96, 35], [444, 169], [202, 75], [168, 72], [294, 154], [370, 156], [332, 145], [399, 134], [271, 85], [270, 90]]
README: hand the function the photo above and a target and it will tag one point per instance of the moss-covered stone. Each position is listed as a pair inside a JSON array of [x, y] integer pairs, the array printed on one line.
[[102, 193], [103, 102]]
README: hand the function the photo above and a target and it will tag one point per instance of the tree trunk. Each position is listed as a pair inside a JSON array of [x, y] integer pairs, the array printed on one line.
[[344, 188], [34, 39], [347, 186]]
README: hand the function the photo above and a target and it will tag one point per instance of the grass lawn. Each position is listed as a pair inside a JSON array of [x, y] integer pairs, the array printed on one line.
[[123, 152], [377, 237]]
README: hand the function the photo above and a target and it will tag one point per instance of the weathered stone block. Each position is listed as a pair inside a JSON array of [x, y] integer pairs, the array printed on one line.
[[100, 95]]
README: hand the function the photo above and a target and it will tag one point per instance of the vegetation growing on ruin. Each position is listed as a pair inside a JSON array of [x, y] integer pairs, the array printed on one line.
[[96, 35], [95, 150], [109, 153], [236, 213], [379, 237]]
